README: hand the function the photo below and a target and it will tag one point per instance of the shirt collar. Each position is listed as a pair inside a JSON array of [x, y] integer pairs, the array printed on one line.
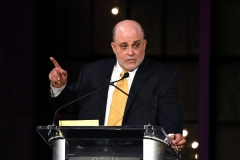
[[119, 70]]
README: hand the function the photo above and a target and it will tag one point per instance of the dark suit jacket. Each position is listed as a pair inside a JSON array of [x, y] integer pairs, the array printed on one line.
[[153, 95]]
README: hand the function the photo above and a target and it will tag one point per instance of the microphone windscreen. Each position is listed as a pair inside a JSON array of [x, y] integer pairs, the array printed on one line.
[[126, 74]]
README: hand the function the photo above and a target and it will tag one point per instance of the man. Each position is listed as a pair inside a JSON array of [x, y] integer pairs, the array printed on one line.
[[152, 87]]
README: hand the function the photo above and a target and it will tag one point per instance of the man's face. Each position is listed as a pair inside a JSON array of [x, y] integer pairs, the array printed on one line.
[[129, 48]]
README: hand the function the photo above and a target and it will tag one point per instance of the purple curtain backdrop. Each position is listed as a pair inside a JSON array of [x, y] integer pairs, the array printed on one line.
[[204, 79]]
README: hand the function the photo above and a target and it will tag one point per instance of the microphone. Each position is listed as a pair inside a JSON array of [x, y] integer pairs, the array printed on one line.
[[134, 99], [123, 77], [126, 74]]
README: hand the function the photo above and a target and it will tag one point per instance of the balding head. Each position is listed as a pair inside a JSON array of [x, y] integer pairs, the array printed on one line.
[[129, 44], [127, 24]]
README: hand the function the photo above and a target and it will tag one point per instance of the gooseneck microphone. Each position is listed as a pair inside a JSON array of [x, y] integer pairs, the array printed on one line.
[[123, 77]]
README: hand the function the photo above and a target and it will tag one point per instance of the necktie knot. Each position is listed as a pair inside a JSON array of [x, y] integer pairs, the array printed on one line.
[[122, 73]]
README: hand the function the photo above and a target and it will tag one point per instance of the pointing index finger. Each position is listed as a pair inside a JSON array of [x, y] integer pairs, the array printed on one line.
[[55, 63]]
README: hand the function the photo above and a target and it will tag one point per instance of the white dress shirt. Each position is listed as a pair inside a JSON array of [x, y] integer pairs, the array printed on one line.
[[115, 76]]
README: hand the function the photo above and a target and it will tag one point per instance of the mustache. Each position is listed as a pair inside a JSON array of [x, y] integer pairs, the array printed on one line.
[[131, 58]]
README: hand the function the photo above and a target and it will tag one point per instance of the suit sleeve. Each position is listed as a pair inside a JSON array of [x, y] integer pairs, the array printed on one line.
[[170, 114], [68, 95]]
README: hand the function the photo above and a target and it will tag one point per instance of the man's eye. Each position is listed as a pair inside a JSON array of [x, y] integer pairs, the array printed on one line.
[[124, 47], [136, 45]]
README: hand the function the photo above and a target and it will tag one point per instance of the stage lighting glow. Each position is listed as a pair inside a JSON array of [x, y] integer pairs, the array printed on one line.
[[194, 145], [115, 11], [196, 156], [185, 133]]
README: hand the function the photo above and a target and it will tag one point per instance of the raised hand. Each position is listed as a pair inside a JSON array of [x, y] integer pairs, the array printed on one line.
[[58, 76]]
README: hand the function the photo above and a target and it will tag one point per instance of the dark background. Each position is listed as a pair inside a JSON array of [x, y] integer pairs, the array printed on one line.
[[79, 31]]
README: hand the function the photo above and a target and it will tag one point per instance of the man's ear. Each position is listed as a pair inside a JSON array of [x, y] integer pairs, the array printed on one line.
[[145, 43], [113, 46]]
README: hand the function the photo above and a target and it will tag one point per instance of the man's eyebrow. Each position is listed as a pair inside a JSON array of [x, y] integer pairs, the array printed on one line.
[[137, 41], [123, 43]]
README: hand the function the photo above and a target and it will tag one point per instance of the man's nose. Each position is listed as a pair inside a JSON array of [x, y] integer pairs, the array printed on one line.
[[130, 51]]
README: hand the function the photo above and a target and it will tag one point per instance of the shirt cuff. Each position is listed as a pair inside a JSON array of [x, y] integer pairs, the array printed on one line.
[[170, 134], [56, 91]]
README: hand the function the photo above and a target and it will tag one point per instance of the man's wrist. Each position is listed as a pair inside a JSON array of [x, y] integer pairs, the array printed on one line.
[[56, 91]]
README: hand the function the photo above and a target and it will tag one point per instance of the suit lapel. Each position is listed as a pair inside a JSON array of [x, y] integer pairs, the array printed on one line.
[[141, 75], [104, 93]]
